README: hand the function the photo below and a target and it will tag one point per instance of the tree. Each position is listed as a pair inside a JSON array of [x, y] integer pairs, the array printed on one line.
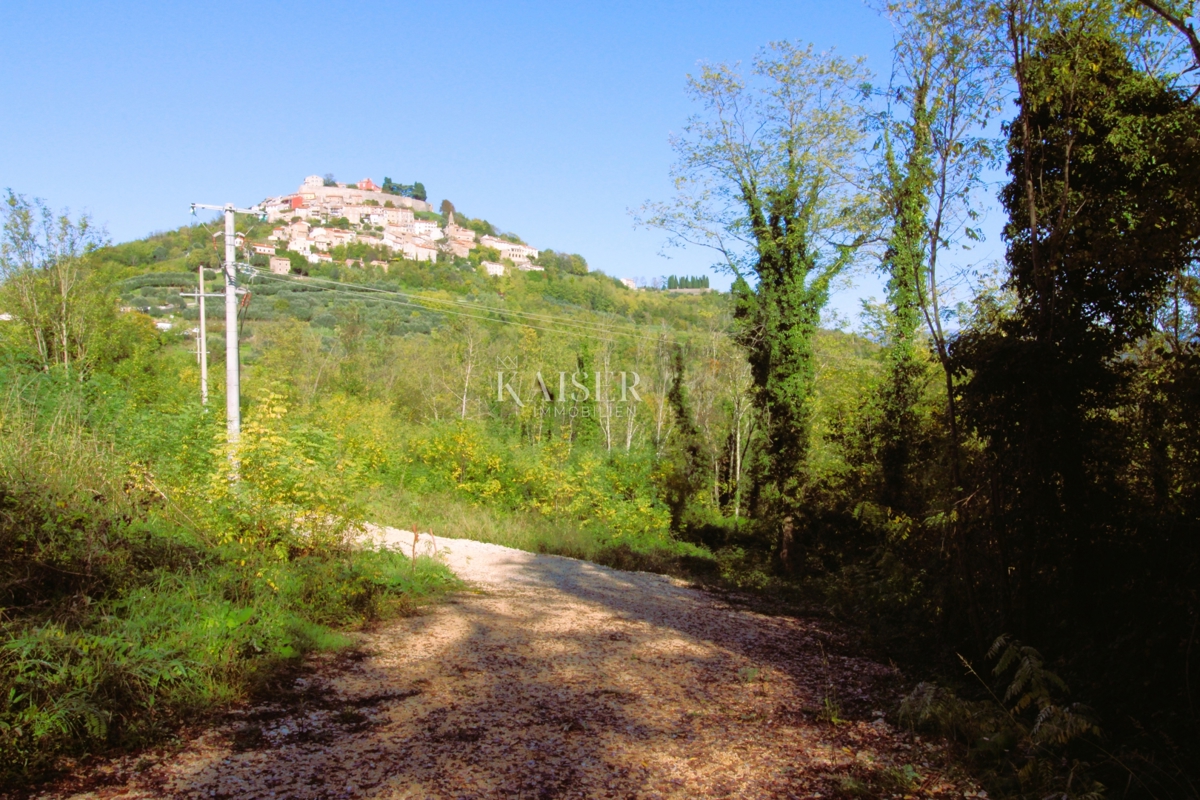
[[904, 264], [447, 209], [329, 179], [44, 269], [946, 84], [1176, 14], [769, 175], [467, 340], [568, 263], [1103, 211], [685, 459], [415, 190]]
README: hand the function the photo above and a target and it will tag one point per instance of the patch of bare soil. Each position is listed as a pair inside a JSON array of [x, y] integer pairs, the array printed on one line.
[[557, 678]]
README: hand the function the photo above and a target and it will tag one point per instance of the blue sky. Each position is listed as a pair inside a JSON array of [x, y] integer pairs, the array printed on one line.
[[549, 119]]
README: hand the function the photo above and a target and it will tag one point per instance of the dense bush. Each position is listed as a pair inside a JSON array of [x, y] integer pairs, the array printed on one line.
[[139, 586]]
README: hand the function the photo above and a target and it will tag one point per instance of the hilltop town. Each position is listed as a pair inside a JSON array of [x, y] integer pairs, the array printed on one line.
[[323, 214]]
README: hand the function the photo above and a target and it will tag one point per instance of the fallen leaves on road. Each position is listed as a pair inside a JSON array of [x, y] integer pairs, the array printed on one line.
[[564, 680]]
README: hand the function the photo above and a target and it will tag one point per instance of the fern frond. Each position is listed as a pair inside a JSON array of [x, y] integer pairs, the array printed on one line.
[[997, 645]]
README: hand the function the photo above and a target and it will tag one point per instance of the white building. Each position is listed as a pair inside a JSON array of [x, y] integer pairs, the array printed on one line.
[[493, 268], [278, 208], [399, 216], [394, 234], [340, 236], [280, 265], [427, 229], [521, 253], [416, 250], [514, 252], [629, 283]]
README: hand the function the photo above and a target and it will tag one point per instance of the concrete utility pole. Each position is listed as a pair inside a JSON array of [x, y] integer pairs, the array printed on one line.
[[202, 343], [233, 394]]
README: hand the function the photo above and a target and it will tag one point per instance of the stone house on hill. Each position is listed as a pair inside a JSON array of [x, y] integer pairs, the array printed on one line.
[[517, 253]]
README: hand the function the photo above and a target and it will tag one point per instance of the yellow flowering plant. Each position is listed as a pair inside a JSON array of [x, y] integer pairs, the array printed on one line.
[[284, 488]]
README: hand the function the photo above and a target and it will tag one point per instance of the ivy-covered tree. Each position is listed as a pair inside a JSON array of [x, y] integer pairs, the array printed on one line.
[[766, 176], [685, 458]]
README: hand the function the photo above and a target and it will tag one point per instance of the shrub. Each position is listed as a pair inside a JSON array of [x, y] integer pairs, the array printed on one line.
[[1025, 742], [128, 605]]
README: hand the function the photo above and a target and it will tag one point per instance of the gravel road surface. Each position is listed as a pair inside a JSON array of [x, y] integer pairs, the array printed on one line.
[[557, 678]]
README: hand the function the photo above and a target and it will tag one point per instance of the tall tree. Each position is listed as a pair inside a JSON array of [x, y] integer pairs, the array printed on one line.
[[945, 86], [904, 264], [770, 176], [685, 458], [947, 81], [1178, 14], [44, 269], [1103, 210]]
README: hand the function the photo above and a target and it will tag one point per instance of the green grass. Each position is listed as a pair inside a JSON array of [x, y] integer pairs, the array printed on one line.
[[121, 672], [121, 617], [445, 514]]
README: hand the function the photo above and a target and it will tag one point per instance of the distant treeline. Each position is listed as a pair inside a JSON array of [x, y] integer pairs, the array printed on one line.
[[414, 190], [687, 282]]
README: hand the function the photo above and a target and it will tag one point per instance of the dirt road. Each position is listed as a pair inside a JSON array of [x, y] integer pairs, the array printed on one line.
[[559, 678]]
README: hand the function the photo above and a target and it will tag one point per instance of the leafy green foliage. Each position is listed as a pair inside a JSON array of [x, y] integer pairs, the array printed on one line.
[[1103, 221], [1020, 740], [414, 190], [1053, 503], [566, 263], [133, 597], [683, 467], [764, 177]]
